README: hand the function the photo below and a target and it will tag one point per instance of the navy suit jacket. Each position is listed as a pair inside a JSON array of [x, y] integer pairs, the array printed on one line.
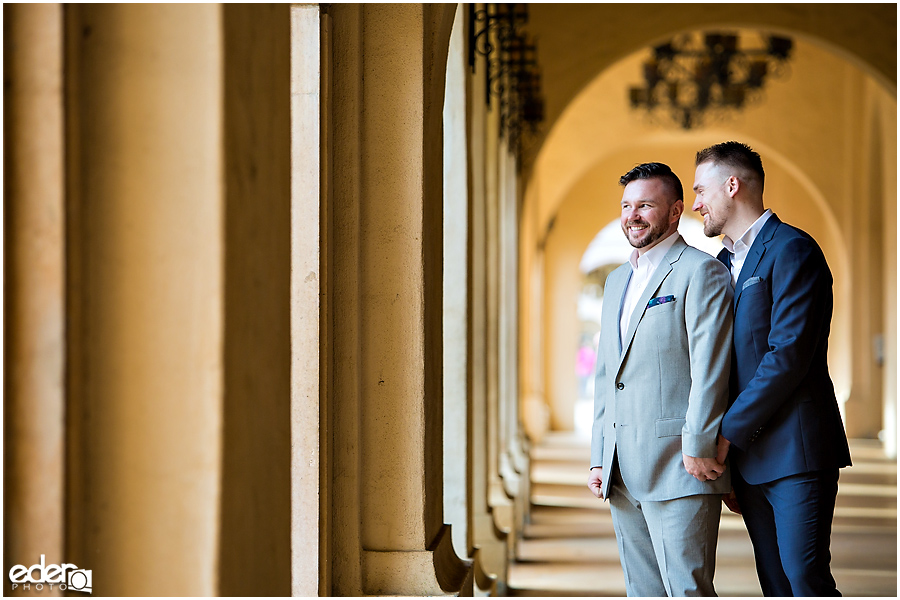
[[783, 418]]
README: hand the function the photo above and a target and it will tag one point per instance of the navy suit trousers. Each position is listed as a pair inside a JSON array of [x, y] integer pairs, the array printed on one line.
[[789, 521]]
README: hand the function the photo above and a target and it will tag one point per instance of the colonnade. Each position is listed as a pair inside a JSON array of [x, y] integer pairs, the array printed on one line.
[[428, 454], [226, 289]]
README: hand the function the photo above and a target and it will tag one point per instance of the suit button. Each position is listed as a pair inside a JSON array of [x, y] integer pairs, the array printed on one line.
[[620, 386]]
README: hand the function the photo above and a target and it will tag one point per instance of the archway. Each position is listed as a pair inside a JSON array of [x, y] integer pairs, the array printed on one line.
[[807, 132]]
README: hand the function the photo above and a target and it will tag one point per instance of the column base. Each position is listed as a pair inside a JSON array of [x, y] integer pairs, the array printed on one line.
[[492, 548], [436, 571], [485, 582]]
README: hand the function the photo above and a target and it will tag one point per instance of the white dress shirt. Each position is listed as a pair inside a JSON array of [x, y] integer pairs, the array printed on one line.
[[643, 266], [741, 247]]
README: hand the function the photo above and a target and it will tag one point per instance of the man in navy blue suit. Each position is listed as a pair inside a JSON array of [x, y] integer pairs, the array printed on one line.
[[782, 431]]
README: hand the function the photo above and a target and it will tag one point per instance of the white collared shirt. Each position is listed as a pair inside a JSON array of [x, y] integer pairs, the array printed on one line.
[[643, 266], [741, 247]]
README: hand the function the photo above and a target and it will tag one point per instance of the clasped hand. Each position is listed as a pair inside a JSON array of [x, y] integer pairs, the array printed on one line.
[[708, 469], [704, 469]]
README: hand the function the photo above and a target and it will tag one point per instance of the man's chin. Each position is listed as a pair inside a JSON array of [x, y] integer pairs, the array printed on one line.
[[647, 239]]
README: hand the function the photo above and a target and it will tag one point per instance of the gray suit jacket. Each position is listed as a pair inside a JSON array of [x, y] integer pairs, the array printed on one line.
[[665, 391]]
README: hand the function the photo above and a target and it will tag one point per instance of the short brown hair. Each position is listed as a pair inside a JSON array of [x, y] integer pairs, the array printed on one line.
[[655, 170], [734, 154]]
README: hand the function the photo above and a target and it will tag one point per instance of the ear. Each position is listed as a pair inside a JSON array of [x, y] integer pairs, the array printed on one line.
[[676, 210], [732, 186]]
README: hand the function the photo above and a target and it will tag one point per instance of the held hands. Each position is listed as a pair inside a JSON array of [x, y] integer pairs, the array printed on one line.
[[708, 469], [703, 469], [595, 481]]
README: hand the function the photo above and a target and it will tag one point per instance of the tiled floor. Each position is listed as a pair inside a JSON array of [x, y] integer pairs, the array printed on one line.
[[569, 548]]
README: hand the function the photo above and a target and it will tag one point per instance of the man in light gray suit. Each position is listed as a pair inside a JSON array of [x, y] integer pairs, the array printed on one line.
[[661, 390]]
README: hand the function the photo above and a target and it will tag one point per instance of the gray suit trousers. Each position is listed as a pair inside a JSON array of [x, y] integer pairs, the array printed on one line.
[[667, 548]]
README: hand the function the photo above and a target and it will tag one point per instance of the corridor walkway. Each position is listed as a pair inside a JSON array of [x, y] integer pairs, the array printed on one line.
[[569, 548]]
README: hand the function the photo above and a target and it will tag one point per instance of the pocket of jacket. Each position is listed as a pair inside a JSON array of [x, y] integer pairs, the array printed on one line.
[[660, 309], [669, 427], [751, 282]]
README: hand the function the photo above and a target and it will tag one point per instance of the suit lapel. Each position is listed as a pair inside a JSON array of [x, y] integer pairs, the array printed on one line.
[[662, 271], [757, 251], [615, 289]]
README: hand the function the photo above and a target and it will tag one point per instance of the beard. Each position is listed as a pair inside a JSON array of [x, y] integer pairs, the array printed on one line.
[[715, 222], [712, 227], [647, 236]]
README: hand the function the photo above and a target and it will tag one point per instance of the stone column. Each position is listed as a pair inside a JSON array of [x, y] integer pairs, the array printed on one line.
[[865, 406], [457, 461], [394, 476], [514, 453], [520, 445], [489, 542], [146, 296], [888, 122], [342, 119], [879, 184], [34, 264], [309, 449], [506, 296], [255, 549], [535, 412], [500, 502]]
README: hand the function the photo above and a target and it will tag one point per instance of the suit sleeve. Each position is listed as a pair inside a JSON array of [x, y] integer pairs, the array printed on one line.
[[801, 312], [709, 321]]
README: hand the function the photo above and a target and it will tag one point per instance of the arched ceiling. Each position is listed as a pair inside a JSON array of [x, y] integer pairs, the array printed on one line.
[[576, 42], [803, 121], [819, 132]]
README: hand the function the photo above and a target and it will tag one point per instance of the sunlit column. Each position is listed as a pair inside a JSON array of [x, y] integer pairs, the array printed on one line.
[[146, 168], [34, 264], [406, 547], [457, 464]]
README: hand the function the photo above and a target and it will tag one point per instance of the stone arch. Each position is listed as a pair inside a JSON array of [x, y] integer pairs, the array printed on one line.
[[607, 33], [787, 161]]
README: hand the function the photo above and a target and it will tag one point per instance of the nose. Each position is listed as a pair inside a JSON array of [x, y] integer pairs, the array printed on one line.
[[697, 204]]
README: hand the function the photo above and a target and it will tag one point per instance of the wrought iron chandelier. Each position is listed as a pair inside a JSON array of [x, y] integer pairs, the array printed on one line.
[[512, 74], [698, 74]]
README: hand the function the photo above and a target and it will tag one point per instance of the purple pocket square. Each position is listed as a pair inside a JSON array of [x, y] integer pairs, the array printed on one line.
[[660, 300]]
